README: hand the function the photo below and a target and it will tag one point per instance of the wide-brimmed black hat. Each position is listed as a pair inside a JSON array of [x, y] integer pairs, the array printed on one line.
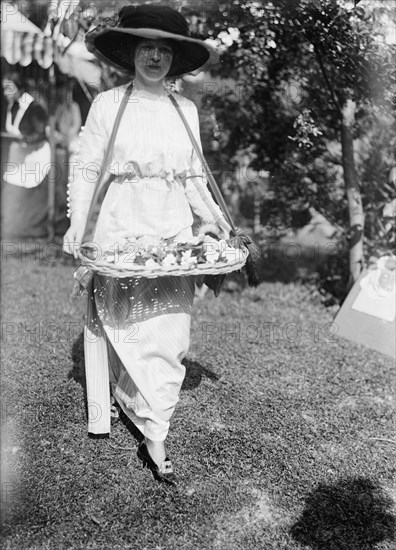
[[114, 44]]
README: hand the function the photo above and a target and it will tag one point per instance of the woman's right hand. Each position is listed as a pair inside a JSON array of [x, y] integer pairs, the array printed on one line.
[[225, 228], [73, 237]]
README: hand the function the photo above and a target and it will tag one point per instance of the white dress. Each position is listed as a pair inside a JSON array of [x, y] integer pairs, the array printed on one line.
[[137, 330]]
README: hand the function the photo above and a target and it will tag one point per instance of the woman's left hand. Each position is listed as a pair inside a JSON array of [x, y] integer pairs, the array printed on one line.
[[225, 229]]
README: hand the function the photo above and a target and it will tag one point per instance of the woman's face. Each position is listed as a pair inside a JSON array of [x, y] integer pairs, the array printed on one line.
[[10, 89], [153, 59]]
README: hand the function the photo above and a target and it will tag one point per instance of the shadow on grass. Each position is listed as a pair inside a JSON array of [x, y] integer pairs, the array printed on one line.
[[194, 374], [352, 514], [77, 373]]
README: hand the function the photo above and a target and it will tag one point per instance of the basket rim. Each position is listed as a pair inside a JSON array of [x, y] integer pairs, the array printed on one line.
[[138, 270]]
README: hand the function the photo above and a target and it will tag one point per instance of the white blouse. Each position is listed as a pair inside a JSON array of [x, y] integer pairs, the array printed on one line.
[[152, 150]]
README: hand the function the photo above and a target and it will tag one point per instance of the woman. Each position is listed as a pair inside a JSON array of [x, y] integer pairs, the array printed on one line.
[[137, 330], [68, 119], [28, 160]]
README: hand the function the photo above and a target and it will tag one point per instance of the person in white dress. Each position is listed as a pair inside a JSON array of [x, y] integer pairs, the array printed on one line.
[[137, 330]]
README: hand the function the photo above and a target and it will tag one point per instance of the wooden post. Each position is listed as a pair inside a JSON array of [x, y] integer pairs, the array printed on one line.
[[352, 185], [52, 172]]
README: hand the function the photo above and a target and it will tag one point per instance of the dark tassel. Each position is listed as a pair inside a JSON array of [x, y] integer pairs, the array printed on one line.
[[215, 282], [254, 262]]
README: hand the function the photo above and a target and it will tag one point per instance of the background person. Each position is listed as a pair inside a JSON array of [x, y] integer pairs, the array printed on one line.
[[68, 119], [27, 163]]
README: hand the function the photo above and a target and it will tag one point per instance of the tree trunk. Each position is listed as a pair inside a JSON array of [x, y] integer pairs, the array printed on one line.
[[257, 212], [352, 185]]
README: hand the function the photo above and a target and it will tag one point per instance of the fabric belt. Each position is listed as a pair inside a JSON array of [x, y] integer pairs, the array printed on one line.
[[131, 178]]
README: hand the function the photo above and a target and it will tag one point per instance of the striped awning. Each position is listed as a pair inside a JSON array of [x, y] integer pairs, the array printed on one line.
[[23, 48], [72, 59], [23, 42]]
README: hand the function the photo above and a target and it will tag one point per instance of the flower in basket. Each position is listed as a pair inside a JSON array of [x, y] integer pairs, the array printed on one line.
[[210, 249], [228, 253], [170, 259], [211, 253], [158, 252], [130, 252], [139, 260], [150, 263], [187, 259]]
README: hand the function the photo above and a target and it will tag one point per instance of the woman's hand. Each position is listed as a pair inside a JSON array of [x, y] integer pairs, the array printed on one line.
[[73, 237], [225, 229]]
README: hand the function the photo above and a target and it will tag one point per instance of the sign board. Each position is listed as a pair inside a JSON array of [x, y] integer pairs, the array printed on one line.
[[368, 314]]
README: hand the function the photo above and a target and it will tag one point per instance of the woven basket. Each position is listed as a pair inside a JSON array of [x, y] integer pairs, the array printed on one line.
[[121, 269]]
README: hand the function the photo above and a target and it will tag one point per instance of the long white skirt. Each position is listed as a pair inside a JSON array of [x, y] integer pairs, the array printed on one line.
[[138, 330], [136, 336]]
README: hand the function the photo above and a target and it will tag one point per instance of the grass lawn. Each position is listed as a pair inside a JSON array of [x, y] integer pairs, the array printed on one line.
[[283, 437]]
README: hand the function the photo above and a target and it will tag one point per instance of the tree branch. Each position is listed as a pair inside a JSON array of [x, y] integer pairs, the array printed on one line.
[[322, 68], [329, 86]]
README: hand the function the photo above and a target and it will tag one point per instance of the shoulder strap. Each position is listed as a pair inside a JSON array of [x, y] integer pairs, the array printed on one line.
[[102, 179], [213, 185]]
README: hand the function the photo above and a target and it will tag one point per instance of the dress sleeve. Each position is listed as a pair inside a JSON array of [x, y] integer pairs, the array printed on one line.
[[85, 168], [197, 192]]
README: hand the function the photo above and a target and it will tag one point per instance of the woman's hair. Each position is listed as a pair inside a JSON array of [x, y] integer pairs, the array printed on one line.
[[134, 44], [176, 53], [17, 83], [14, 77]]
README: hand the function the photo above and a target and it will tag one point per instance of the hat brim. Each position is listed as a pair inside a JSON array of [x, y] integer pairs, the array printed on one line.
[[113, 44]]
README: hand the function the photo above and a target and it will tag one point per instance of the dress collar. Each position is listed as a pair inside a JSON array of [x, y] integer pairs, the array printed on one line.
[[140, 92]]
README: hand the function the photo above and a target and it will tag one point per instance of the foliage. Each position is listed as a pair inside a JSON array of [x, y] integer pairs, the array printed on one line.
[[298, 62], [378, 185], [305, 129]]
